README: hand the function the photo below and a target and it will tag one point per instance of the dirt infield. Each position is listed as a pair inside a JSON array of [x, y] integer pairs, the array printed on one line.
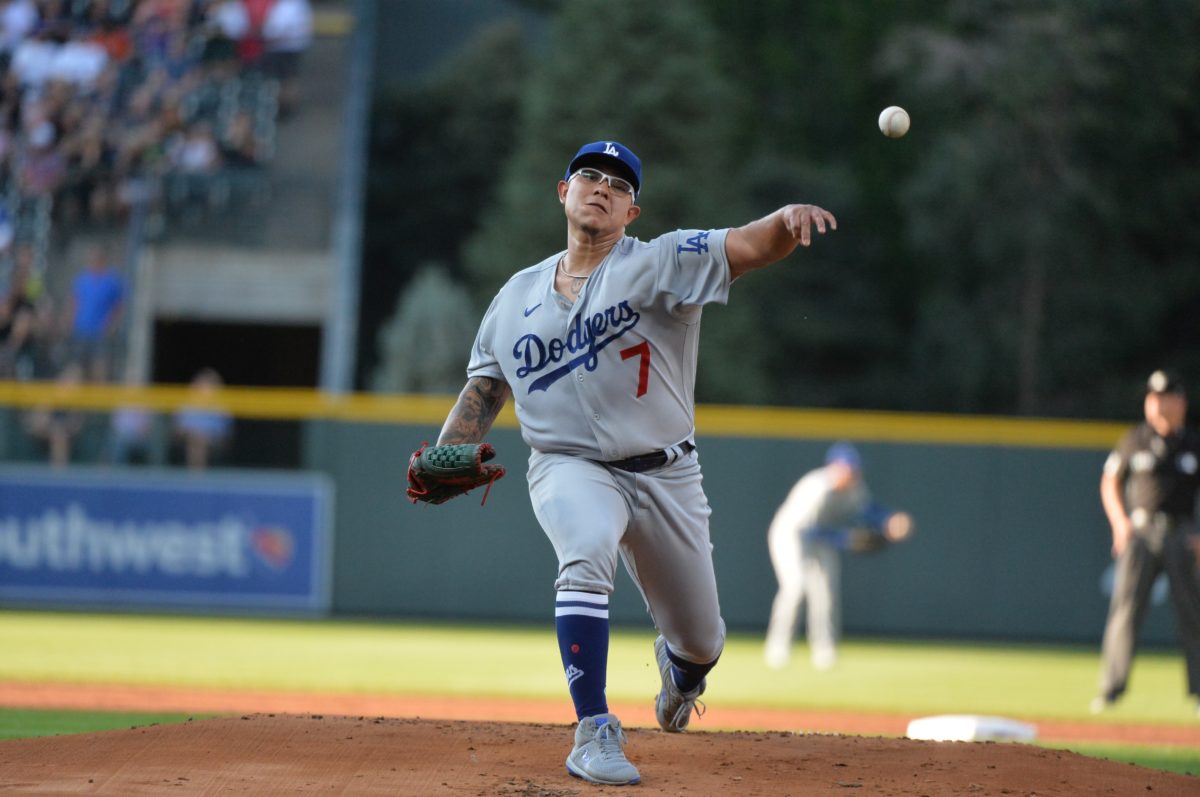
[[303, 743], [101, 697], [277, 754]]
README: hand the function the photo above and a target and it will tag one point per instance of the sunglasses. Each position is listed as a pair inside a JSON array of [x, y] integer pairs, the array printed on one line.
[[619, 185]]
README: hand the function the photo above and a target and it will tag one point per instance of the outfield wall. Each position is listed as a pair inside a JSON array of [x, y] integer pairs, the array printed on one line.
[[1011, 540]]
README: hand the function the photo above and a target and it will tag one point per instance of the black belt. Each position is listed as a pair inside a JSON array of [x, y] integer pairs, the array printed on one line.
[[644, 462]]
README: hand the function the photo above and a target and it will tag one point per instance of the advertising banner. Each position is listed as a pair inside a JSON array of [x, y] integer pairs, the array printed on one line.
[[231, 540]]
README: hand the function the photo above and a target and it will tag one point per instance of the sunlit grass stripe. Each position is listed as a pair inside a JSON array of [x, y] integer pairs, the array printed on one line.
[[711, 420]]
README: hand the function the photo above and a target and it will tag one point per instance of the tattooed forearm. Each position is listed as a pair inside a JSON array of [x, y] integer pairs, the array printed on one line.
[[476, 409]]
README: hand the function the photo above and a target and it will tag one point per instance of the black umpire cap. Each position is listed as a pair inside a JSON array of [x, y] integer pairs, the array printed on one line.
[[1163, 381]]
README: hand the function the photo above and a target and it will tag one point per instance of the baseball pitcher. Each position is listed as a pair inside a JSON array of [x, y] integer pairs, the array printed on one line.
[[596, 346]]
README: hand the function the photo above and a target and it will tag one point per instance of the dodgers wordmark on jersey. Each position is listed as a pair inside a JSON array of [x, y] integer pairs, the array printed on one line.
[[612, 374]]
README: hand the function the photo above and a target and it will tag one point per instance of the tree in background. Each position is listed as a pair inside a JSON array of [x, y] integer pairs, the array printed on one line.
[[436, 149], [648, 75], [1054, 151], [830, 326], [423, 346], [1029, 248], [640, 73]]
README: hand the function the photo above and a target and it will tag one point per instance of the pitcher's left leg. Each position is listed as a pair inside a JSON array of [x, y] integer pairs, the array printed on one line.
[[668, 553]]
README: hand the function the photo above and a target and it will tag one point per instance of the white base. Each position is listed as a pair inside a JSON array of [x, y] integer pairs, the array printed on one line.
[[970, 728]]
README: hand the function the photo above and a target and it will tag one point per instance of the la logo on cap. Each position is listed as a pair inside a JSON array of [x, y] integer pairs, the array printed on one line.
[[609, 149]]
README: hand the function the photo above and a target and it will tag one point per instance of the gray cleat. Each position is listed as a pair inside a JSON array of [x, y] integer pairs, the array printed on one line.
[[598, 757], [673, 707]]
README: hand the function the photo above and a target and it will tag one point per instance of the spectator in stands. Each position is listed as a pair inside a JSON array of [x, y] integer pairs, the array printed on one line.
[[172, 13], [91, 92], [239, 145], [94, 314], [113, 37], [16, 338], [56, 18], [193, 161], [240, 183], [55, 426], [131, 436], [230, 17], [87, 190], [78, 62], [7, 229], [287, 32], [202, 426], [10, 107], [223, 24], [179, 61], [196, 152], [251, 45], [241, 175], [139, 148], [66, 109], [33, 58], [7, 148], [18, 19], [19, 317], [136, 126], [43, 168], [152, 33], [26, 280]]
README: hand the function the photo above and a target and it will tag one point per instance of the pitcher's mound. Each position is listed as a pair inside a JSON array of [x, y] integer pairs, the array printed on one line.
[[289, 754]]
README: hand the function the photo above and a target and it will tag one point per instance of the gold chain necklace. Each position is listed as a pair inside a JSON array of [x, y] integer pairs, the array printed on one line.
[[577, 280]]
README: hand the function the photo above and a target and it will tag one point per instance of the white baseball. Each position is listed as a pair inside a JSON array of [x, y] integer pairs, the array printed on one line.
[[893, 121]]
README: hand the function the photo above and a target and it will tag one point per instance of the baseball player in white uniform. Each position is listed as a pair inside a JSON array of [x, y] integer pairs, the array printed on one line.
[[828, 511], [596, 345]]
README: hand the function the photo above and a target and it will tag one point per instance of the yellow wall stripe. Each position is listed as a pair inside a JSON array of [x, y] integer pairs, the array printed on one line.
[[332, 22], [715, 420], [906, 427]]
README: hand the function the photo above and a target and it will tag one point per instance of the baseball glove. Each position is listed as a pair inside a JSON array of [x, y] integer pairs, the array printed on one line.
[[437, 474], [862, 539], [868, 539]]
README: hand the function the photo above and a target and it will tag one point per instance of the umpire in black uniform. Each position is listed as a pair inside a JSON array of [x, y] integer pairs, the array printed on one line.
[[1149, 491]]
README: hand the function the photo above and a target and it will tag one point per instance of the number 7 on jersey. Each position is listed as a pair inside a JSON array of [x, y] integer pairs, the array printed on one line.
[[641, 350]]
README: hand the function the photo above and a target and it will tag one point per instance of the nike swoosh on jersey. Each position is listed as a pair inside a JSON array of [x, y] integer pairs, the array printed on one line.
[[529, 310]]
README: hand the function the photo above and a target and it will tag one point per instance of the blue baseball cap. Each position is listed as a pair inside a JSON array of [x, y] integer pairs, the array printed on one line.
[[845, 453], [612, 154]]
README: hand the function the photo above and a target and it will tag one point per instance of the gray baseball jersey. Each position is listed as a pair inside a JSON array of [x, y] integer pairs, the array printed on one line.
[[612, 374], [606, 377]]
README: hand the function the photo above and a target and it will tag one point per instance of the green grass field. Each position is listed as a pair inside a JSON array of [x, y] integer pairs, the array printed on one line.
[[23, 723], [394, 658]]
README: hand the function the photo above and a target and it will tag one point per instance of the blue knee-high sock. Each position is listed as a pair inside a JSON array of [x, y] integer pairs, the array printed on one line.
[[688, 674], [581, 619]]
